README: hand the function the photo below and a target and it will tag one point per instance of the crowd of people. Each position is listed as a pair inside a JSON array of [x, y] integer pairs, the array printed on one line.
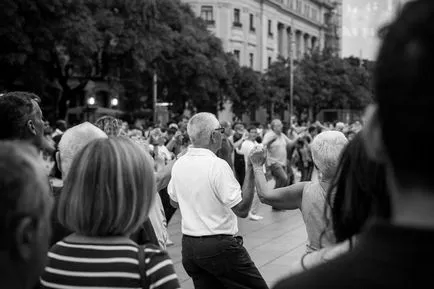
[[87, 206]]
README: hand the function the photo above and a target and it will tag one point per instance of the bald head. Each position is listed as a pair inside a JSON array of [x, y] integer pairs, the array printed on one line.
[[73, 140], [225, 123], [276, 126]]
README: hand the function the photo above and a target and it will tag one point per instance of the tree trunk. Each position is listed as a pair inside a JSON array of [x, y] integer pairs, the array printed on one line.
[[311, 113], [62, 105], [66, 96]]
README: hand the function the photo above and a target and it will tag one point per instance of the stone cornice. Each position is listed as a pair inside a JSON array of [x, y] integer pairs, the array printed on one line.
[[285, 9]]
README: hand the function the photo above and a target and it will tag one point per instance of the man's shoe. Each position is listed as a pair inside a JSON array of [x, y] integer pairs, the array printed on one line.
[[169, 242], [254, 217]]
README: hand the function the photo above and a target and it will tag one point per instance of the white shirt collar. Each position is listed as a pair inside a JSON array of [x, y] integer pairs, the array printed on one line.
[[192, 151]]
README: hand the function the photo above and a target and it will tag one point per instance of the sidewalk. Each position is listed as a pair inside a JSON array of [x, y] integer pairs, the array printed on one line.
[[273, 243]]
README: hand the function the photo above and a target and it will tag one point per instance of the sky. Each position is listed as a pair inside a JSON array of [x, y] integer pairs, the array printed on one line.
[[361, 20]]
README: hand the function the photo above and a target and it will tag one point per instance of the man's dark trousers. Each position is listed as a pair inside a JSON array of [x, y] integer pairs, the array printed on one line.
[[220, 261]]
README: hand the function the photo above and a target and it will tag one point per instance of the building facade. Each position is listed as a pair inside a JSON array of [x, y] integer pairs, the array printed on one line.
[[257, 32]]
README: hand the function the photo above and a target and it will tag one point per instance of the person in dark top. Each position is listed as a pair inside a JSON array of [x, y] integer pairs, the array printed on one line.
[[25, 207], [239, 163], [395, 254], [227, 149]]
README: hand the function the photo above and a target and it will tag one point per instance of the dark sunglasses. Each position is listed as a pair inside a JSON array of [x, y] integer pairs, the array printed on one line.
[[220, 129]]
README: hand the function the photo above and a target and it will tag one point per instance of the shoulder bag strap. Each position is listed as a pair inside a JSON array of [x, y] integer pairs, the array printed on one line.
[[144, 281]]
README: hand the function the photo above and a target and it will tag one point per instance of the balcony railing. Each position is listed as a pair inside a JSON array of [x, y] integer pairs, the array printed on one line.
[[210, 22], [238, 24]]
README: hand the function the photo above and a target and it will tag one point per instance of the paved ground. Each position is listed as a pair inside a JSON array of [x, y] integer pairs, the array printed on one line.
[[273, 243]]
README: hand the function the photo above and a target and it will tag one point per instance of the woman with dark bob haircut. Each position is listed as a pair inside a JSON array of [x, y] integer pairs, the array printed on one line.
[[106, 197], [357, 195]]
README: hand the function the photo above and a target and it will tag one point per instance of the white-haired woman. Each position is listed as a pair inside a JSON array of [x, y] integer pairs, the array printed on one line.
[[107, 196], [310, 197]]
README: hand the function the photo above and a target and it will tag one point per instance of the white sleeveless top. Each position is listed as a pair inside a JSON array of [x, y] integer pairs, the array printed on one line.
[[312, 208]]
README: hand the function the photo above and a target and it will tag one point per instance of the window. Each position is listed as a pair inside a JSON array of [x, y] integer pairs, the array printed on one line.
[[315, 14], [270, 28], [206, 13], [269, 61], [237, 55], [252, 22], [237, 18], [298, 5], [251, 60]]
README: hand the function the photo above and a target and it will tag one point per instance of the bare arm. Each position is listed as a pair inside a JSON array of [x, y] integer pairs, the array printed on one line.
[[242, 208], [238, 144], [162, 177], [171, 144], [324, 128], [174, 204], [288, 198], [268, 140], [174, 141]]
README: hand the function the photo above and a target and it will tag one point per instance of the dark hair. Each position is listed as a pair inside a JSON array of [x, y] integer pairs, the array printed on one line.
[[301, 141], [171, 130], [15, 109], [404, 91], [311, 129], [251, 127], [236, 124], [307, 139], [61, 124], [358, 191]]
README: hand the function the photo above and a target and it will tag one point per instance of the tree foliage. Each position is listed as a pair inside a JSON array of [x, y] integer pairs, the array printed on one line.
[[277, 85], [50, 45], [55, 47], [249, 92], [321, 81]]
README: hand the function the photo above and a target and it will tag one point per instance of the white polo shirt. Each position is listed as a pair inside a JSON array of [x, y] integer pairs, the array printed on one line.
[[205, 188]]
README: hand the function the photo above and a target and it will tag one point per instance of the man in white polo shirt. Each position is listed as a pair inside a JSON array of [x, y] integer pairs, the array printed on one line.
[[210, 199]]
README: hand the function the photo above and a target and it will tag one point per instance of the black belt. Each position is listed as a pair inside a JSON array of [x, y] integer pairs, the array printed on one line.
[[208, 236], [238, 239]]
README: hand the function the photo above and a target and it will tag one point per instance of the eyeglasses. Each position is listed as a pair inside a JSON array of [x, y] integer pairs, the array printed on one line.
[[220, 129]]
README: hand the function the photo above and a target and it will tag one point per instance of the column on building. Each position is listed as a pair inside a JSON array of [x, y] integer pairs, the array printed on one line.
[[314, 43], [279, 38], [302, 45], [284, 53], [290, 48], [307, 43], [322, 40], [298, 44]]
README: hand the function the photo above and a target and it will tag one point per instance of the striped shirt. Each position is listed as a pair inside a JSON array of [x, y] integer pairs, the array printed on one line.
[[75, 265]]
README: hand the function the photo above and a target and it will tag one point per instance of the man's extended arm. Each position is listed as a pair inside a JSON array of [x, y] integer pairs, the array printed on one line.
[[242, 208]]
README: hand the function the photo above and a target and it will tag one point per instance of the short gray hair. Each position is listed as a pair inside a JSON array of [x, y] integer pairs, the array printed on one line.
[[73, 140], [326, 150], [274, 122], [201, 126]]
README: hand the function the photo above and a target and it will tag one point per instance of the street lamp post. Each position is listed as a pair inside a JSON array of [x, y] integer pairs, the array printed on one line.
[[154, 95], [291, 78]]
